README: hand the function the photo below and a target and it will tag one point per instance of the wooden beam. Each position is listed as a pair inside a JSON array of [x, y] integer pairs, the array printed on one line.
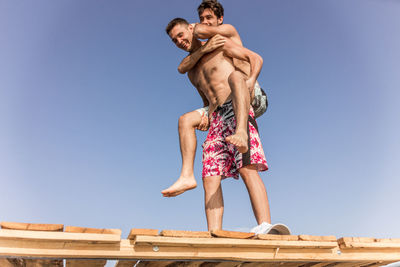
[[58, 236], [136, 231], [231, 234], [75, 229], [227, 242], [32, 226], [330, 238], [86, 263], [154, 248], [174, 233], [368, 243], [277, 237]]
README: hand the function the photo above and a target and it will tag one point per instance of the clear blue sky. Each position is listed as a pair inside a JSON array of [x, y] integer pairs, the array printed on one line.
[[90, 96]]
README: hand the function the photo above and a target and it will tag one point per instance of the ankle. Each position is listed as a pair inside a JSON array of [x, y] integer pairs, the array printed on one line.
[[186, 176], [241, 132]]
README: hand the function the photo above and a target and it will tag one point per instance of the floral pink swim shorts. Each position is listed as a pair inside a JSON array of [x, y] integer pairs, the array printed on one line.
[[223, 159]]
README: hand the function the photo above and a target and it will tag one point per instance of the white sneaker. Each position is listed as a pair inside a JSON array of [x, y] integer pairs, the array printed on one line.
[[272, 229]]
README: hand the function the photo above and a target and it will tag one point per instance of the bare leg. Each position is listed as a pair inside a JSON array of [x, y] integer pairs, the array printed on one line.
[[241, 106], [188, 141], [214, 202], [257, 193]]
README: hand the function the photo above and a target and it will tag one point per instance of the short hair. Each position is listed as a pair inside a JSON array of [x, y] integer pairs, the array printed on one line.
[[175, 22], [214, 5]]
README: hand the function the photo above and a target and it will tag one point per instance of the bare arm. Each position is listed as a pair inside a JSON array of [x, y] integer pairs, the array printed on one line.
[[202, 31], [234, 50], [190, 61]]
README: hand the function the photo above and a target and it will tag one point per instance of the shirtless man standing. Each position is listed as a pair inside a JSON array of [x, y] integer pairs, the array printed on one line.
[[213, 76], [211, 15]]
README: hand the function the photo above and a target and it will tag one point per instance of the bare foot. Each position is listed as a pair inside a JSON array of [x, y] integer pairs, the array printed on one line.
[[239, 139], [181, 185]]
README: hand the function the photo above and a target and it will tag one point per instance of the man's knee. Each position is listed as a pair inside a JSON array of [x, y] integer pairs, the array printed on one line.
[[189, 120], [236, 77], [249, 172], [211, 183]]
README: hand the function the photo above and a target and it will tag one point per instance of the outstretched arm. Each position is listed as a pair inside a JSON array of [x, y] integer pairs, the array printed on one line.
[[202, 31]]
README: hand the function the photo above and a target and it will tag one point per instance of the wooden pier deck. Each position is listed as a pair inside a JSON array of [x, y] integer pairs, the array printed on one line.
[[23, 244]]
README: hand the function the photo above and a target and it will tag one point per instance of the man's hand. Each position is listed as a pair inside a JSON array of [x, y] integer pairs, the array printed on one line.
[[204, 124], [213, 43]]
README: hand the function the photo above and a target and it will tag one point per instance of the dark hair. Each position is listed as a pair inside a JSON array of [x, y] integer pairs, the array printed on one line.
[[175, 22], [214, 5]]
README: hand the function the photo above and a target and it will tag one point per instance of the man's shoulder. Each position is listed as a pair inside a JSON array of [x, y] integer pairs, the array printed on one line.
[[233, 33], [229, 27]]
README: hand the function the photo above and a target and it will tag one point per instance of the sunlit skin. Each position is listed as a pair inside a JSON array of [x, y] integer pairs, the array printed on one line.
[[213, 77], [191, 121], [182, 37]]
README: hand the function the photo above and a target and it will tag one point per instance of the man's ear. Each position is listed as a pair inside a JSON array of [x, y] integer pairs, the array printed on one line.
[[220, 20]]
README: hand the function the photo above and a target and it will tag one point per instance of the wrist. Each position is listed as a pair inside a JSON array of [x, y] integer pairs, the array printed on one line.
[[202, 48]]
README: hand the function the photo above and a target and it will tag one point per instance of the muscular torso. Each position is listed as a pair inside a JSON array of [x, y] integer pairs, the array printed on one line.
[[210, 76]]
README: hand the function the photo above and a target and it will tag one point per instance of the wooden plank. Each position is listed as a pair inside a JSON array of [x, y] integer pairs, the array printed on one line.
[[74, 229], [227, 242], [231, 234], [186, 249], [330, 238], [137, 231], [277, 237], [173, 233], [388, 240], [357, 242], [344, 240], [32, 226], [373, 245], [59, 236]]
